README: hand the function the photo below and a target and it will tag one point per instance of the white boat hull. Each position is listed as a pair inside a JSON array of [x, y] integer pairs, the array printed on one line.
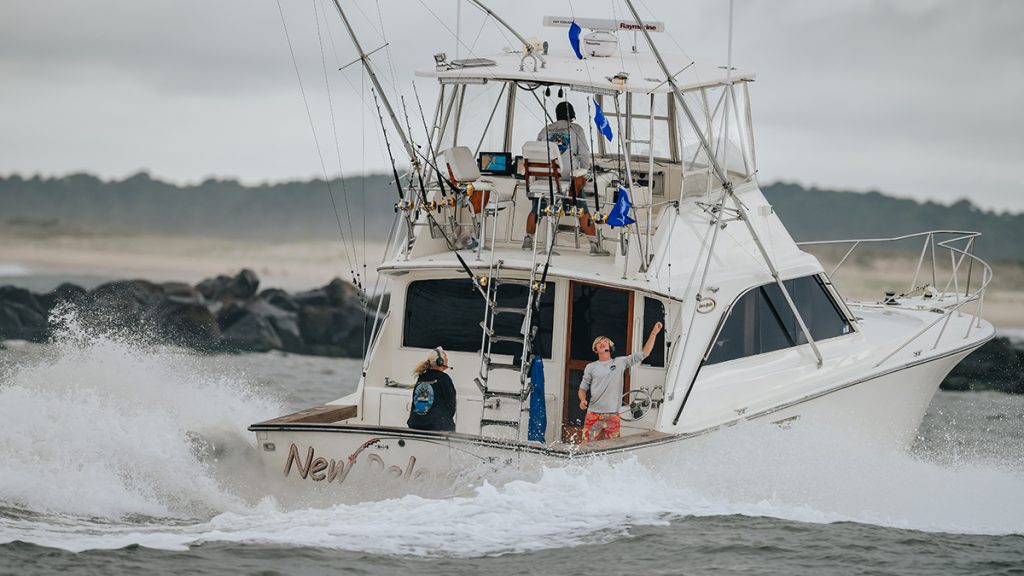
[[883, 411]]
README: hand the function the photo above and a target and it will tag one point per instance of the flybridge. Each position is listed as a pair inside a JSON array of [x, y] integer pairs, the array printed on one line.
[[602, 24]]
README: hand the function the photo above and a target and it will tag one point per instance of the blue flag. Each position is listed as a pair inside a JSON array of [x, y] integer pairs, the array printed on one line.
[[619, 215], [574, 39], [538, 410], [601, 122]]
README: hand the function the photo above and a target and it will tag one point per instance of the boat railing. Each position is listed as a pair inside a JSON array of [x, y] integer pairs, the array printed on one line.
[[960, 245]]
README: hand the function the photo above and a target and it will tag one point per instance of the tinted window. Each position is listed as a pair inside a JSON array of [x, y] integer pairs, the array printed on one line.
[[448, 313], [761, 320], [598, 311], [654, 312]]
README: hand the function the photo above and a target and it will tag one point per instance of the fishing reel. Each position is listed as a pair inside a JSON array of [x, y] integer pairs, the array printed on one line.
[[639, 403], [600, 218], [404, 206]]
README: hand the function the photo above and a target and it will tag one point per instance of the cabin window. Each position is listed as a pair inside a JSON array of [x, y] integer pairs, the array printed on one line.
[[761, 320], [654, 312], [448, 313]]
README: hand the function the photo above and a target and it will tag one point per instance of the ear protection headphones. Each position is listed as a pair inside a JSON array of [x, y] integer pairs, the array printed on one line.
[[440, 359], [611, 345]]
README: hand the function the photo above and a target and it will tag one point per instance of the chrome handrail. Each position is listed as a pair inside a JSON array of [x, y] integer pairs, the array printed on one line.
[[957, 254]]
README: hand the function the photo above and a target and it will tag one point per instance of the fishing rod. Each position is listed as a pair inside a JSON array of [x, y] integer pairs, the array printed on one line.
[[408, 127], [593, 161], [551, 200], [433, 221], [387, 142], [430, 145]]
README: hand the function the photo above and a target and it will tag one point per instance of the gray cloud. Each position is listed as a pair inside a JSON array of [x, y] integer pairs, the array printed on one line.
[[917, 98]]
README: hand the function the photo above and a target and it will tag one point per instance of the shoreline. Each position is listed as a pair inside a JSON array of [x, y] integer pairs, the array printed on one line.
[[94, 260], [43, 263]]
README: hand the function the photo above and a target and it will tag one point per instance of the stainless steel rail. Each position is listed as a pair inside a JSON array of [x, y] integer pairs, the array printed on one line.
[[961, 245]]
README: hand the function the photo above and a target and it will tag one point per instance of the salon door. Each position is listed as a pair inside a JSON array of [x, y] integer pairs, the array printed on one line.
[[593, 311]]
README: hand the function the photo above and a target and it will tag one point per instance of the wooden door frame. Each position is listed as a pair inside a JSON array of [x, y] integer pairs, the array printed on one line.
[[575, 364]]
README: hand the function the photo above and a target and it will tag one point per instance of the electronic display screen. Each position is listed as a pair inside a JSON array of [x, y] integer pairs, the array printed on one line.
[[499, 163]]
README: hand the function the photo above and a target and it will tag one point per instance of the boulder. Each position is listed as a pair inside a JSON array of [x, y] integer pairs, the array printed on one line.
[[280, 299], [285, 324], [20, 322], [21, 297], [182, 292], [186, 323], [224, 288], [66, 292], [316, 297], [249, 332], [342, 294], [332, 332], [124, 304], [997, 365]]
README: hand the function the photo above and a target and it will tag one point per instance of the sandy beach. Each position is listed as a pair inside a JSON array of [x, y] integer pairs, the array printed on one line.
[[300, 266], [291, 266]]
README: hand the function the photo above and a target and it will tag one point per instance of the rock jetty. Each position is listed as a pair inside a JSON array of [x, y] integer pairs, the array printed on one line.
[[222, 314], [231, 314]]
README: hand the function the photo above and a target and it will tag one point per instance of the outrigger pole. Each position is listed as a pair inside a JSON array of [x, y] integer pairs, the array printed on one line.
[[728, 189], [409, 148], [365, 59]]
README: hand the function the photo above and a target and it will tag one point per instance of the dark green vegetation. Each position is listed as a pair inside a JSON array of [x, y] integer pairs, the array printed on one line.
[[288, 211], [302, 210], [813, 214], [320, 321]]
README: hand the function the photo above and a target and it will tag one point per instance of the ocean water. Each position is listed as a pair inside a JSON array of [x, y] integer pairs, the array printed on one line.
[[118, 457]]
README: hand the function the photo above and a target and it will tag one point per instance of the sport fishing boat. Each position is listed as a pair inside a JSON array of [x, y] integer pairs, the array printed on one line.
[[755, 328]]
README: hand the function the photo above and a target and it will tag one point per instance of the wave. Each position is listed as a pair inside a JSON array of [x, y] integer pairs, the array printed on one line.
[[104, 426], [106, 443]]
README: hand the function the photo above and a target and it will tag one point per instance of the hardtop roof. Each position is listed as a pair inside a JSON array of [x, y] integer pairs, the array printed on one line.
[[563, 68]]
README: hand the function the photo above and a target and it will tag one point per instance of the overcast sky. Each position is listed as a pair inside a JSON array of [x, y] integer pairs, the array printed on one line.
[[917, 98]]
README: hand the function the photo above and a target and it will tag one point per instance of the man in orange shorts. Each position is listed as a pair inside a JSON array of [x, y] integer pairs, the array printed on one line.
[[604, 380]]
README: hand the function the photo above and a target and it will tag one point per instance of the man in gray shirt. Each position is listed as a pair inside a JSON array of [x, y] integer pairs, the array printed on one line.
[[604, 379]]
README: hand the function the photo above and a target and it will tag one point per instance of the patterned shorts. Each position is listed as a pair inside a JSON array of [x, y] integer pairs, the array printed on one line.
[[599, 426]]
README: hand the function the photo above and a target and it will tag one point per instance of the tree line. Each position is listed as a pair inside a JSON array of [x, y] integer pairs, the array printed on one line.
[[303, 210]]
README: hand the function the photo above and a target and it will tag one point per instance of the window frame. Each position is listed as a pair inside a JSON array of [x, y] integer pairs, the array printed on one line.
[[551, 288], [827, 289]]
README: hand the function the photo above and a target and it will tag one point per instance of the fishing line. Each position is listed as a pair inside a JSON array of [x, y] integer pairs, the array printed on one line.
[[387, 50], [456, 36], [362, 198], [316, 140], [334, 127]]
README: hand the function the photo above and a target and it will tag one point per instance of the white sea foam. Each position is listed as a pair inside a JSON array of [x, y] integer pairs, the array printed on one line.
[[98, 434], [101, 427]]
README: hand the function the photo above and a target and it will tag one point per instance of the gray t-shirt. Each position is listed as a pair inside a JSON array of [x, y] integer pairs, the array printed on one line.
[[572, 143], [605, 379]]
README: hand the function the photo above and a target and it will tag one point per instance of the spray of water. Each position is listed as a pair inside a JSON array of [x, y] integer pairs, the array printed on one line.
[[101, 426], [105, 443]]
